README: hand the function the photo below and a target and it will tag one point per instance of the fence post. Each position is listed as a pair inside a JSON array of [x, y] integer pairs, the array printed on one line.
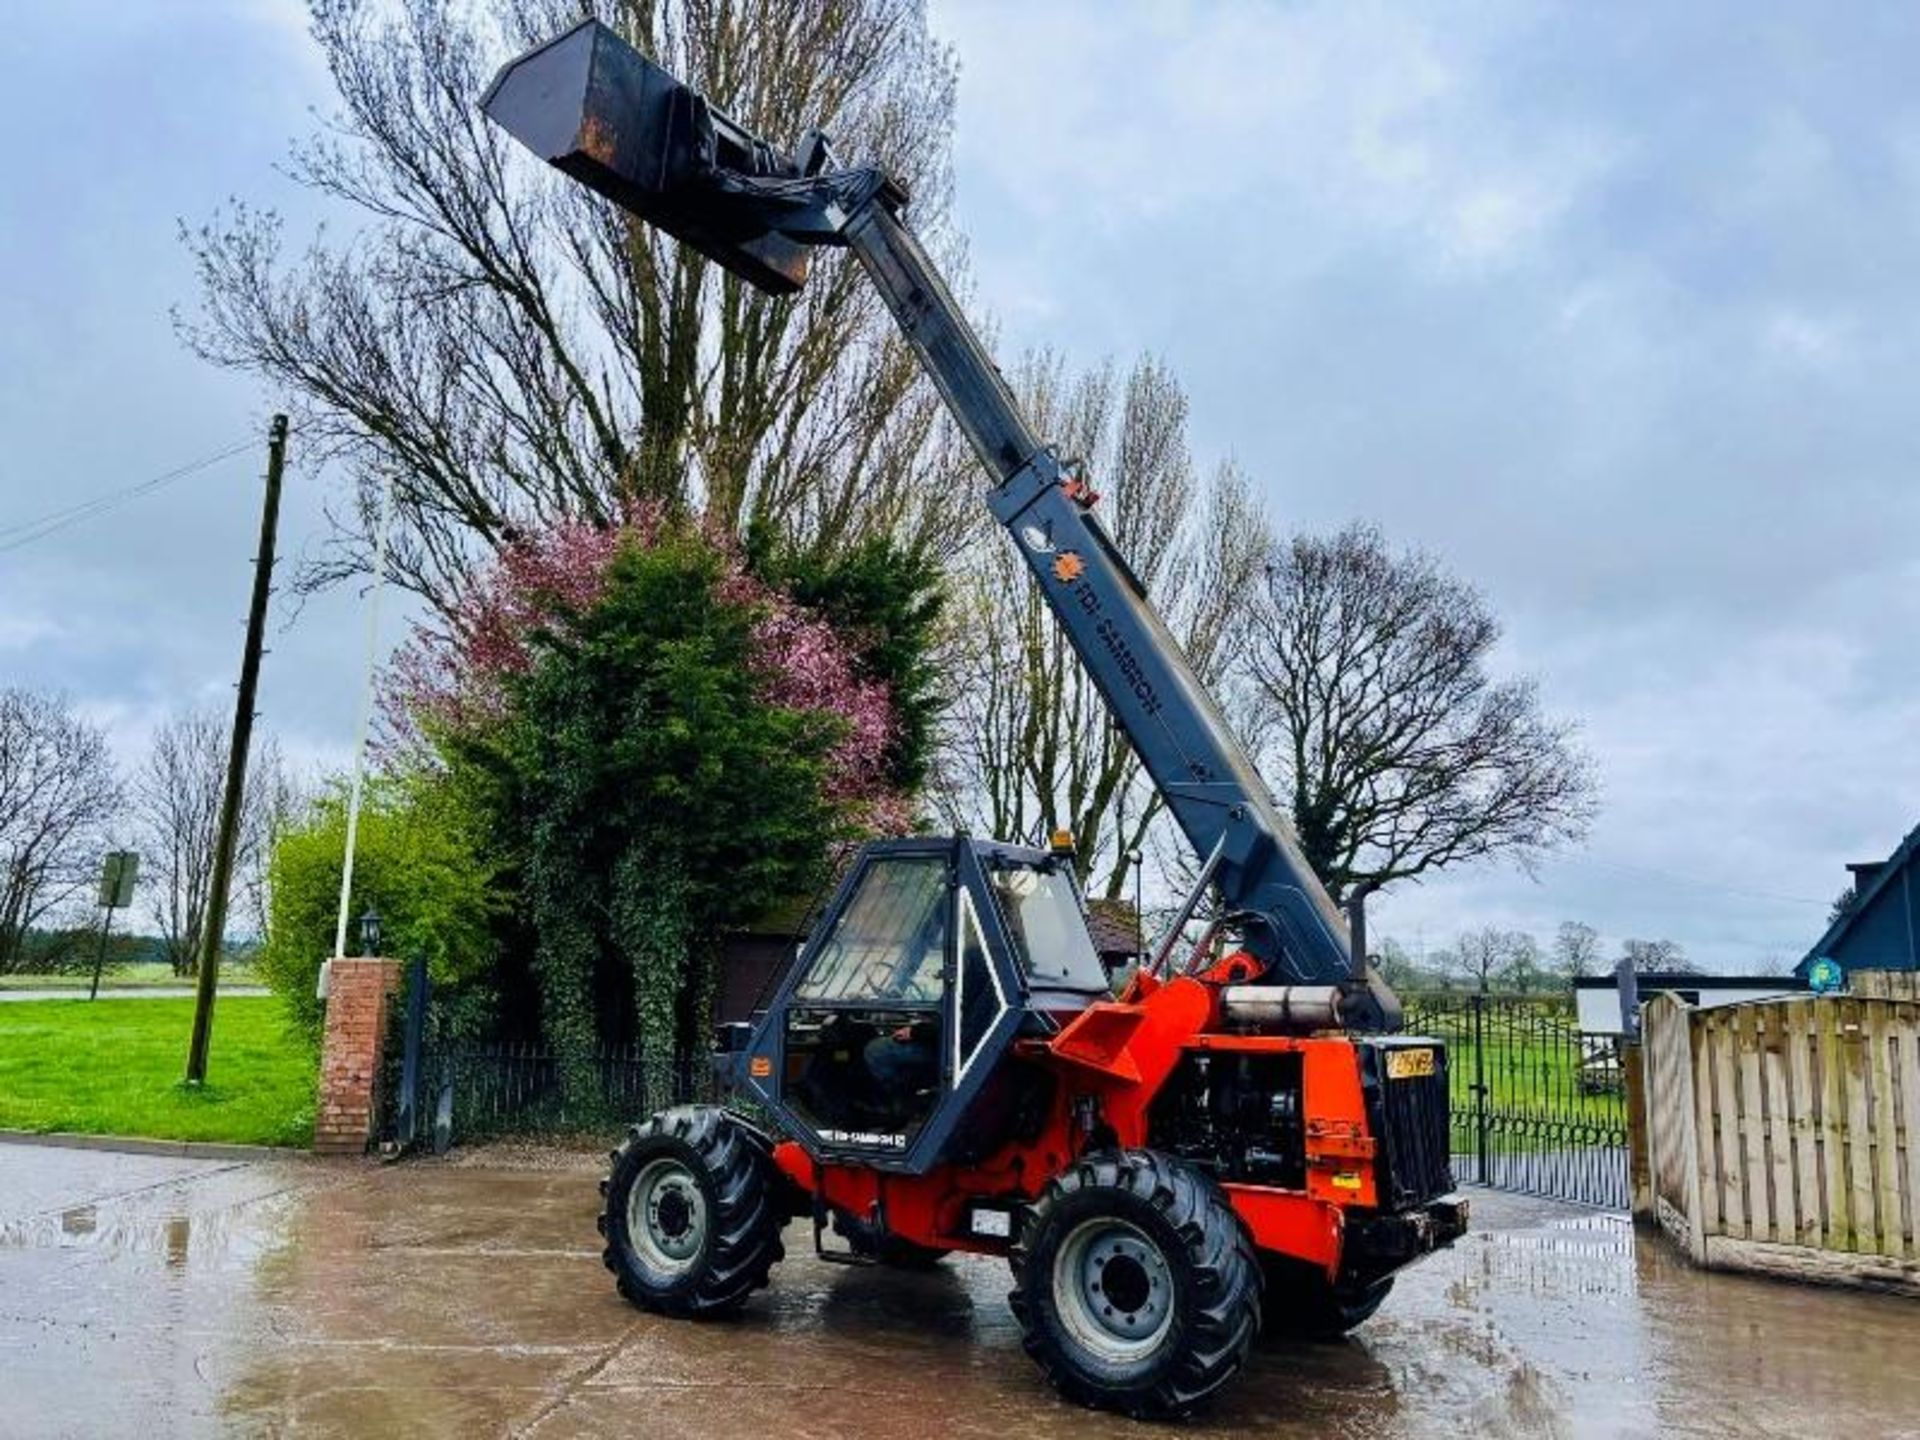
[[1639, 1147], [1480, 1085]]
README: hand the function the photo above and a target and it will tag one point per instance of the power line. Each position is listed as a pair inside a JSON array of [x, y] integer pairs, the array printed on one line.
[[25, 532], [1688, 882]]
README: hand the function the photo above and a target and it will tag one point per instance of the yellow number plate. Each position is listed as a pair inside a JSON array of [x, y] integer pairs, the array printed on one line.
[[1409, 1064]]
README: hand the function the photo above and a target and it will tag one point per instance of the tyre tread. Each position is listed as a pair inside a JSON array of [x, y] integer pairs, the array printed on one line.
[[746, 1223], [1222, 1264]]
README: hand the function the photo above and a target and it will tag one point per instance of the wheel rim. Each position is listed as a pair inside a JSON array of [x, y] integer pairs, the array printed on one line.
[[1113, 1289], [667, 1216]]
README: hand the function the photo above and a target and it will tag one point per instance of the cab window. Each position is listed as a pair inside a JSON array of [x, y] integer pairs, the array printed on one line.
[[889, 944], [1048, 928]]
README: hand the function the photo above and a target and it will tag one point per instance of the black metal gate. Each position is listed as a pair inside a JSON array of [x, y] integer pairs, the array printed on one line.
[[439, 1086], [1536, 1106]]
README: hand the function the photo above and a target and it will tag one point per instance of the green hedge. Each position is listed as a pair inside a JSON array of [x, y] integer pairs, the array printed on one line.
[[418, 863]]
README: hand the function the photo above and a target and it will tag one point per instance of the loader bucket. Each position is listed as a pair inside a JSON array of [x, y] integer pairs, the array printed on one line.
[[591, 105]]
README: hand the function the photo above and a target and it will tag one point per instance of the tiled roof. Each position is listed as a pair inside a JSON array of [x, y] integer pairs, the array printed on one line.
[[1115, 927]]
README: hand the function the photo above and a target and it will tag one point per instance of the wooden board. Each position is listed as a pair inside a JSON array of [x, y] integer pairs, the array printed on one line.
[[1797, 1022], [1853, 1042], [1710, 1199], [1836, 1183], [1750, 1121], [1907, 1062], [1884, 984], [1821, 1267], [1772, 1036], [1729, 1159]]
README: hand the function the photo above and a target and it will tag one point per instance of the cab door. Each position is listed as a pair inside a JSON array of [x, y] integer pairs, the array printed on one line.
[[863, 1023], [894, 1015]]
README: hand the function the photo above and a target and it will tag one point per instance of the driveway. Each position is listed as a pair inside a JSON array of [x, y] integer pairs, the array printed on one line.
[[151, 1297]]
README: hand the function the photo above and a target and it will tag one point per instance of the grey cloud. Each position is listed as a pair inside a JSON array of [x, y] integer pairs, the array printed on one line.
[[1606, 305]]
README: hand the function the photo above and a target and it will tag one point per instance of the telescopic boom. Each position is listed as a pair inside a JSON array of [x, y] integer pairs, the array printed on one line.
[[591, 105]]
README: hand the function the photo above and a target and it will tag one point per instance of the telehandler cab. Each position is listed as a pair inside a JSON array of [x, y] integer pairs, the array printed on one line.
[[1238, 1138]]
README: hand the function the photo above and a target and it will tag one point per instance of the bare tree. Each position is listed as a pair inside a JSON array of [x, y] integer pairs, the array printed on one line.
[[1407, 971], [178, 795], [1034, 748], [277, 797], [510, 349], [58, 793], [1397, 967], [1397, 750], [1481, 956], [1651, 957], [1576, 950], [1523, 974]]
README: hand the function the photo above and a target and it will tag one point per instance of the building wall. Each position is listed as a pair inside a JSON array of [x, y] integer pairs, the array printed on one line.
[[750, 967], [1882, 935], [1598, 1003]]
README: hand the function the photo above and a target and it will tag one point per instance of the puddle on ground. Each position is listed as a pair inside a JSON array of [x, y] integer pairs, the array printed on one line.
[[430, 1299]]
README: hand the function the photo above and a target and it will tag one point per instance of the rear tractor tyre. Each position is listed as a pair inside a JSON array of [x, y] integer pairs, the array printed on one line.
[[692, 1217], [1302, 1304], [1135, 1284]]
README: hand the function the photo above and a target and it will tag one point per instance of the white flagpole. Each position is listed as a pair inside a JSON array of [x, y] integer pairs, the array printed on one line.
[[360, 734]]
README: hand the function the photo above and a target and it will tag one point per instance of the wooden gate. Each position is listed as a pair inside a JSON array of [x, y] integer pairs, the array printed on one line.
[[1784, 1135]]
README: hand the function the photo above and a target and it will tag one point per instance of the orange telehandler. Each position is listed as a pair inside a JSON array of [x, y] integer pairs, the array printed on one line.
[[1238, 1139]]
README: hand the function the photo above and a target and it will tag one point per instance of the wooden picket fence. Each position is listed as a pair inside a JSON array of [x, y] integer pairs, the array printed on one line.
[[1885, 984], [1783, 1136]]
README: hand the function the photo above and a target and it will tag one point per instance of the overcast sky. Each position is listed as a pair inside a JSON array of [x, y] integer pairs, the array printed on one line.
[[1611, 307]]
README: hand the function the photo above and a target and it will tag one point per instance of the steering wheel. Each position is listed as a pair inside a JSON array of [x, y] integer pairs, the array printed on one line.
[[879, 976]]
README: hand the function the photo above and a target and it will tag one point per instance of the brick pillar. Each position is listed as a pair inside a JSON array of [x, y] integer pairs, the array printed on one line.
[[358, 995]]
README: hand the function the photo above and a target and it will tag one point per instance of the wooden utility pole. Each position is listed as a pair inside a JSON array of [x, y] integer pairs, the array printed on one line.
[[213, 928]]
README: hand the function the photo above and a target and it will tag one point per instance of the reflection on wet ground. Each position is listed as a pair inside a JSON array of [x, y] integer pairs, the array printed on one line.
[[163, 1296]]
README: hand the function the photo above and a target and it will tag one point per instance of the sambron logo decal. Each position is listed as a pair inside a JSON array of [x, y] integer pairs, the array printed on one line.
[[864, 1137]]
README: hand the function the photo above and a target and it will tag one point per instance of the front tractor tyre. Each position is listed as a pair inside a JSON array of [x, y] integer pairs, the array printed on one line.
[[692, 1217], [1135, 1284]]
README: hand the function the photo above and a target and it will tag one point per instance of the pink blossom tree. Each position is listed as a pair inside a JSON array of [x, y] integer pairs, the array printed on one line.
[[457, 679]]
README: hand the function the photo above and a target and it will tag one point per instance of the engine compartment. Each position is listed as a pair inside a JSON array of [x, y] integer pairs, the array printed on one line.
[[1240, 1116]]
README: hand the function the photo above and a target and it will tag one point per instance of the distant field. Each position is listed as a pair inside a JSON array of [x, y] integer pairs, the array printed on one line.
[[126, 977], [113, 1067], [1530, 1060]]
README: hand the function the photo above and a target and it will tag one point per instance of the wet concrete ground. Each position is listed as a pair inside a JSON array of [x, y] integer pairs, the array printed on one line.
[[155, 1297]]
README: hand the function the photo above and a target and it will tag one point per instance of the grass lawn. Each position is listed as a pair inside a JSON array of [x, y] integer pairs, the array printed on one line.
[[113, 1067], [1532, 1070]]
